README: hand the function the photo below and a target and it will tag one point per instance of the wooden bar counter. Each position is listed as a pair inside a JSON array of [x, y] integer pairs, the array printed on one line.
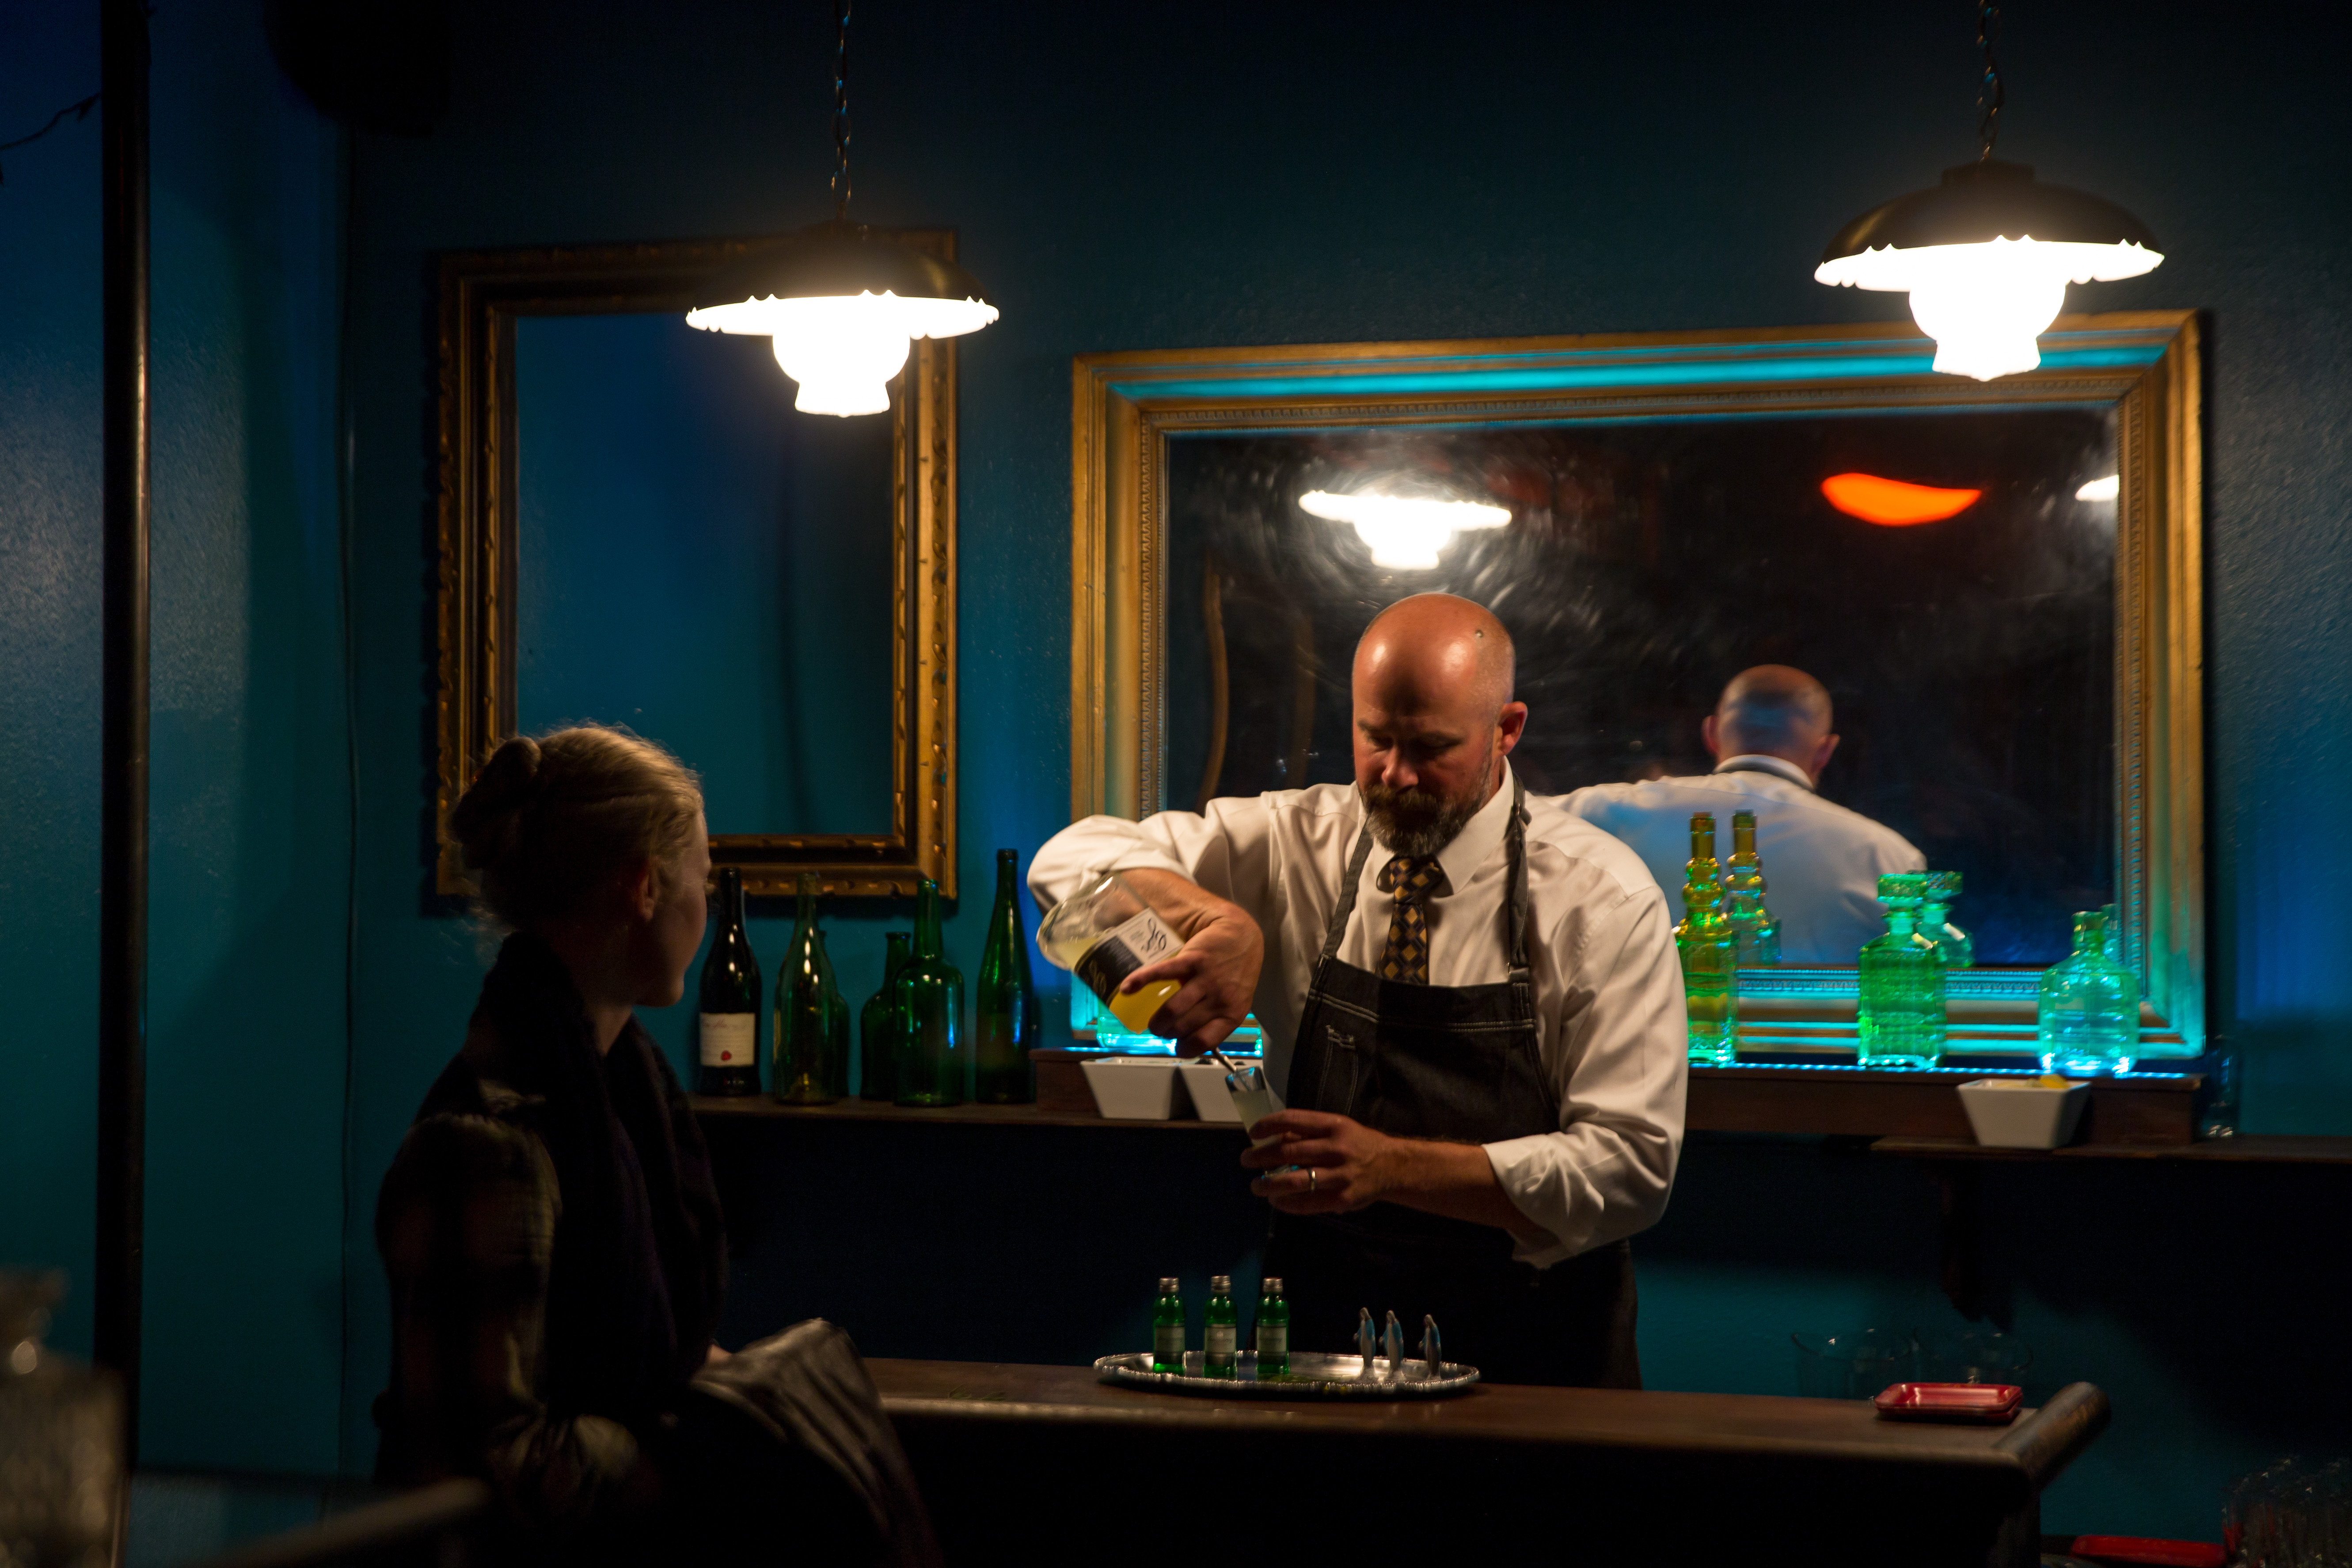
[[1048, 1464]]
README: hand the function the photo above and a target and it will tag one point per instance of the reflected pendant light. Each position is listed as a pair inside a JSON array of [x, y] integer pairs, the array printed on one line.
[[1987, 255], [841, 304]]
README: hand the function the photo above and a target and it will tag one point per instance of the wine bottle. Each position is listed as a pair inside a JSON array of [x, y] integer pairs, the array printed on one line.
[[878, 1041], [929, 1000], [811, 1021], [729, 1019], [838, 1057], [1710, 954], [1004, 1013]]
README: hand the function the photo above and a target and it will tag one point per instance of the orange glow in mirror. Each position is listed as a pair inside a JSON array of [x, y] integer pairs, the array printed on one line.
[[1891, 503]]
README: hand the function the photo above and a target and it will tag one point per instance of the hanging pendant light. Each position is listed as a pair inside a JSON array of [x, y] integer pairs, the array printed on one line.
[[1987, 255], [841, 304]]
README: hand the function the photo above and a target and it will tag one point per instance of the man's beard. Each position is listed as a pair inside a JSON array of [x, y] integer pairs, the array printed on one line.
[[1415, 822]]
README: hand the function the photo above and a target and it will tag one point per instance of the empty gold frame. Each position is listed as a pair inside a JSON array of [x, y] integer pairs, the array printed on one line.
[[482, 294], [2141, 369]]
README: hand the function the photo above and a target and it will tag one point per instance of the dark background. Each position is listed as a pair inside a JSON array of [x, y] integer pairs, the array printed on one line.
[[1971, 660], [1153, 176]]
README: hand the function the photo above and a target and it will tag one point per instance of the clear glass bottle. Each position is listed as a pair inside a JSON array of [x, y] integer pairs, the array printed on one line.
[[929, 996], [811, 1024], [1710, 955], [1005, 1020], [1757, 933], [1220, 1334], [1936, 895], [877, 1039], [2090, 1006], [60, 1440], [1902, 984], [1105, 933], [1167, 1329], [1273, 1329]]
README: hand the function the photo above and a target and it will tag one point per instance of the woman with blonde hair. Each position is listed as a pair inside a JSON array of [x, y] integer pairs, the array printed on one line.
[[551, 1231]]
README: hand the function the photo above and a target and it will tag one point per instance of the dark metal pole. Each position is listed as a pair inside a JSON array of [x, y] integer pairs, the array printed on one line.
[[122, 850]]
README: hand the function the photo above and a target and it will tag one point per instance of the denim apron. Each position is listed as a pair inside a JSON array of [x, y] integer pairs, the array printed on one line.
[[1459, 1063]]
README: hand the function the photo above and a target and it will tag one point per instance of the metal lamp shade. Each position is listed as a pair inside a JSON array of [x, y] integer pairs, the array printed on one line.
[[1985, 200]]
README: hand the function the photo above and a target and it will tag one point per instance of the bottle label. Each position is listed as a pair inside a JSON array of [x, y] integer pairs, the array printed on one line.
[[1141, 940], [1168, 1344], [1272, 1341], [730, 1039], [1218, 1347]]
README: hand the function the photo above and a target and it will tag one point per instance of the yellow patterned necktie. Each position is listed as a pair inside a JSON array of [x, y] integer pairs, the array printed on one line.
[[1411, 882]]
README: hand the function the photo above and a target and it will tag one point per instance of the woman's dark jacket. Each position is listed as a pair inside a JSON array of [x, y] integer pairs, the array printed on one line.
[[553, 1241]]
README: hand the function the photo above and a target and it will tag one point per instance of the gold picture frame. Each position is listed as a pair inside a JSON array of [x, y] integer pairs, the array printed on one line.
[[2146, 364], [482, 294]]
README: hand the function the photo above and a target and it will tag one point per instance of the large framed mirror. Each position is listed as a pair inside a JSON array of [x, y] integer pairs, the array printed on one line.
[[634, 527], [2016, 681]]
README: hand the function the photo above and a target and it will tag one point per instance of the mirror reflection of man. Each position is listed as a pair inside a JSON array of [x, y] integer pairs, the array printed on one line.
[[1472, 1006], [1770, 735]]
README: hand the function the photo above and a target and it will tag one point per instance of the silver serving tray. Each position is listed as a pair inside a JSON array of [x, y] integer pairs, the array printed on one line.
[[1312, 1376]]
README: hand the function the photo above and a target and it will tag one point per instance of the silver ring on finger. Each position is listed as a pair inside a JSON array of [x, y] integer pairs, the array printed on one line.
[[1310, 1178]]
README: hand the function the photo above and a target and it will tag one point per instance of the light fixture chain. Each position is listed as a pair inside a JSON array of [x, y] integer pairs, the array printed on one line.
[[841, 118], [1988, 90]]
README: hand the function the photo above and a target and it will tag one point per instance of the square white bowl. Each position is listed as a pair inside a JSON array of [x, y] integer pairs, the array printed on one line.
[[2007, 1114], [1133, 1088], [1206, 1082]]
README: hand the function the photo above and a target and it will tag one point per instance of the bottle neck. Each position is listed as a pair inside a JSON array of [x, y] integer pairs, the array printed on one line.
[[927, 920], [731, 898], [894, 953], [1006, 878]]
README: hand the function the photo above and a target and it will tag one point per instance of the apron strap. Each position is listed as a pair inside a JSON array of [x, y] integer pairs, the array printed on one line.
[[1347, 902], [1516, 903]]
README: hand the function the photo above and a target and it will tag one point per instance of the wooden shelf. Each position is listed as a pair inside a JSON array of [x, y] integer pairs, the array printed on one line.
[[759, 1107], [1845, 1101], [2254, 1149]]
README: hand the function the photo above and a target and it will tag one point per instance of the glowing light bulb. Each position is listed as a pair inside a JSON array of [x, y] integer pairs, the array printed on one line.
[[1403, 532], [1986, 304], [2107, 489], [843, 349]]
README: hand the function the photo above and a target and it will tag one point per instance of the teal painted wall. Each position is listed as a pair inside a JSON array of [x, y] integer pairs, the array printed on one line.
[[1155, 177], [250, 818]]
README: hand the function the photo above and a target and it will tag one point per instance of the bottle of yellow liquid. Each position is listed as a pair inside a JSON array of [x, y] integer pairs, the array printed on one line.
[[1105, 933]]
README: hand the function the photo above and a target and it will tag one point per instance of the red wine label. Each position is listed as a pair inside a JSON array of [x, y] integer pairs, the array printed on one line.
[[730, 1039], [1141, 940]]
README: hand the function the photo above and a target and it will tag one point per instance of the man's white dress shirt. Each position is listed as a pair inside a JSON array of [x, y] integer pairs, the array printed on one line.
[[1822, 862], [1608, 986]]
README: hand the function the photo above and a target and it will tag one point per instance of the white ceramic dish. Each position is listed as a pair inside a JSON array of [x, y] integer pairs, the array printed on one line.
[[2014, 1113], [1133, 1088], [1206, 1082]]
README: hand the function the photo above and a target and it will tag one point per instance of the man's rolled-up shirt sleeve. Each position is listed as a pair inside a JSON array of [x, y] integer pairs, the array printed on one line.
[[1226, 849], [1607, 1172]]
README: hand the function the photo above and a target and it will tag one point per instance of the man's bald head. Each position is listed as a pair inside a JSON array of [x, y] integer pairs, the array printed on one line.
[[1774, 711], [1436, 646], [1433, 717]]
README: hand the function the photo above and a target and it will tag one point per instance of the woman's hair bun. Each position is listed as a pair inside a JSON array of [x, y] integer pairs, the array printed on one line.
[[485, 820]]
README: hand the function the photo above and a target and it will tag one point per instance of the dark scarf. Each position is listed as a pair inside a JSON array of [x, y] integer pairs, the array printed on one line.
[[640, 1253]]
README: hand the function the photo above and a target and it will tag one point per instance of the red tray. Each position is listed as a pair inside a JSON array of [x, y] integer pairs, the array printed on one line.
[[1989, 1403]]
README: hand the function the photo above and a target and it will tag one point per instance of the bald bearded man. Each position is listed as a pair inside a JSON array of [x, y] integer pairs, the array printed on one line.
[[1472, 1006], [1771, 735]]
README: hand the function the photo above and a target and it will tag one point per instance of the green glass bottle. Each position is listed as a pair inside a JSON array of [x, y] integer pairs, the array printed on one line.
[[1167, 1329], [1221, 1332], [1004, 1012], [811, 1023], [877, 1047], [1710, 954], [1936, 895], [1273, 1331], [1757, 933], [2089, 1017], [2114, 947], [1902, 982], [928, 996]]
